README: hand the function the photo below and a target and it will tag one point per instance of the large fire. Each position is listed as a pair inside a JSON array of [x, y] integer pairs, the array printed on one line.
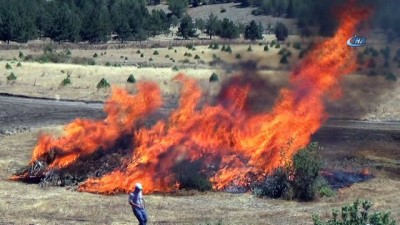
[[223, 135]]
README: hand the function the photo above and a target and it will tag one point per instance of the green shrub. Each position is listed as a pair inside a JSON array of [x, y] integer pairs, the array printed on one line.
[[175, 51], [356, 214], [121, 57], [390, 76], [95, 55], [277, 45], [214, 77], [273, 42], [8, 67], [103, 84], [186, 61], [166, 56], [189, 176], [21, 55], [238, 56], [249, 49], [175, 68], [151, 59], [266, 48], [126, 58], [228, 49], [214, 56], [19, 64], [68, 52], [131, 79], [170, 47], [138, 52], [141, 55], [214, 46], [11, 77], [91, 62], [196, 57], [155, 52], [108, 64], [66, 81], [300, 180], [222, 10], [284, 60], [187, 54], [297, 45], [223, 48]]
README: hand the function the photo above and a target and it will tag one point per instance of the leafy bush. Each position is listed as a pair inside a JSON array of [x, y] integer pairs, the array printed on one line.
[[175, 68], [166, 56], [66, 81], [11, 77], [187, 54], [249, 49], [297, 45], [356, 215], [131, 79], [19, 64], [284, 60], [156, 52], [138, 52], [8, 67], [238, 56], [299, 180], [196, 57], [214, 77], [103, 84], [141, 55], [390, 76], [277, 45], [95, 55], [21, 55], [126, 58], [266, 48], [228, 49], [189, 176]]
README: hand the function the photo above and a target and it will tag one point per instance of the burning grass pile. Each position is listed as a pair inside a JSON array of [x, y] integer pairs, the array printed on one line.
[[226, 144]]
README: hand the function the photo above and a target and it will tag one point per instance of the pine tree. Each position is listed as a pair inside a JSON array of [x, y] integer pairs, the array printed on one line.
[[187, 28], [212, 25], [253, 31]]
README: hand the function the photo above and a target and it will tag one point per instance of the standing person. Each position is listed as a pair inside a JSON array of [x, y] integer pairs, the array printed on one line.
[[137, 202]]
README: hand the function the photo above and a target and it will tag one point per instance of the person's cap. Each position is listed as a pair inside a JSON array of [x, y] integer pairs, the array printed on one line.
[[138, 186]]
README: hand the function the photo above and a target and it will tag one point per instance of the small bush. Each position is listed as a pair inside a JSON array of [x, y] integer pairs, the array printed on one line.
[[277, 45], [103, 84], [8, 67], [21, 55], [108, 64], [356, 213], [141, 55], [131, 79], [228, 49], [155, 52], [66, 81], [238, 56], [214, 77], [390, 76], [266, 48], [300, 180], [126, 58], [95, 55], [138, 52], [175, 68], [249, 49], [297, 45], [11, 77], [223, 10], [151, 59], [214, 56], [186, 61], [166, 56], [223, 48], [175, 51], [91, 62], [214, 46], [187, 54], [284, 60], [19, 64], [170, 47], [121, 57], [273, 42], [196, 57]]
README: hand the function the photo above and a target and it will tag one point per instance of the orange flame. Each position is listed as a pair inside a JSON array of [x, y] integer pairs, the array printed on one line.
[[222, 134]]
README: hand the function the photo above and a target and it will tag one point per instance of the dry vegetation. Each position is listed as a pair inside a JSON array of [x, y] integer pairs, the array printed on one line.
[[29, 204]]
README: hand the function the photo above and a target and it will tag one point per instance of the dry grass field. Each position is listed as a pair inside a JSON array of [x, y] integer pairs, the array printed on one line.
[[29, 204]]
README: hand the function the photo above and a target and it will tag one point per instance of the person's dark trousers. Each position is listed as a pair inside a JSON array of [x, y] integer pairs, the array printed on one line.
[[141, 216]]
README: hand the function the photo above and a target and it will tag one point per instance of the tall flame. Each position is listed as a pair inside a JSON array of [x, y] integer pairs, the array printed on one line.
[[224, 135]]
